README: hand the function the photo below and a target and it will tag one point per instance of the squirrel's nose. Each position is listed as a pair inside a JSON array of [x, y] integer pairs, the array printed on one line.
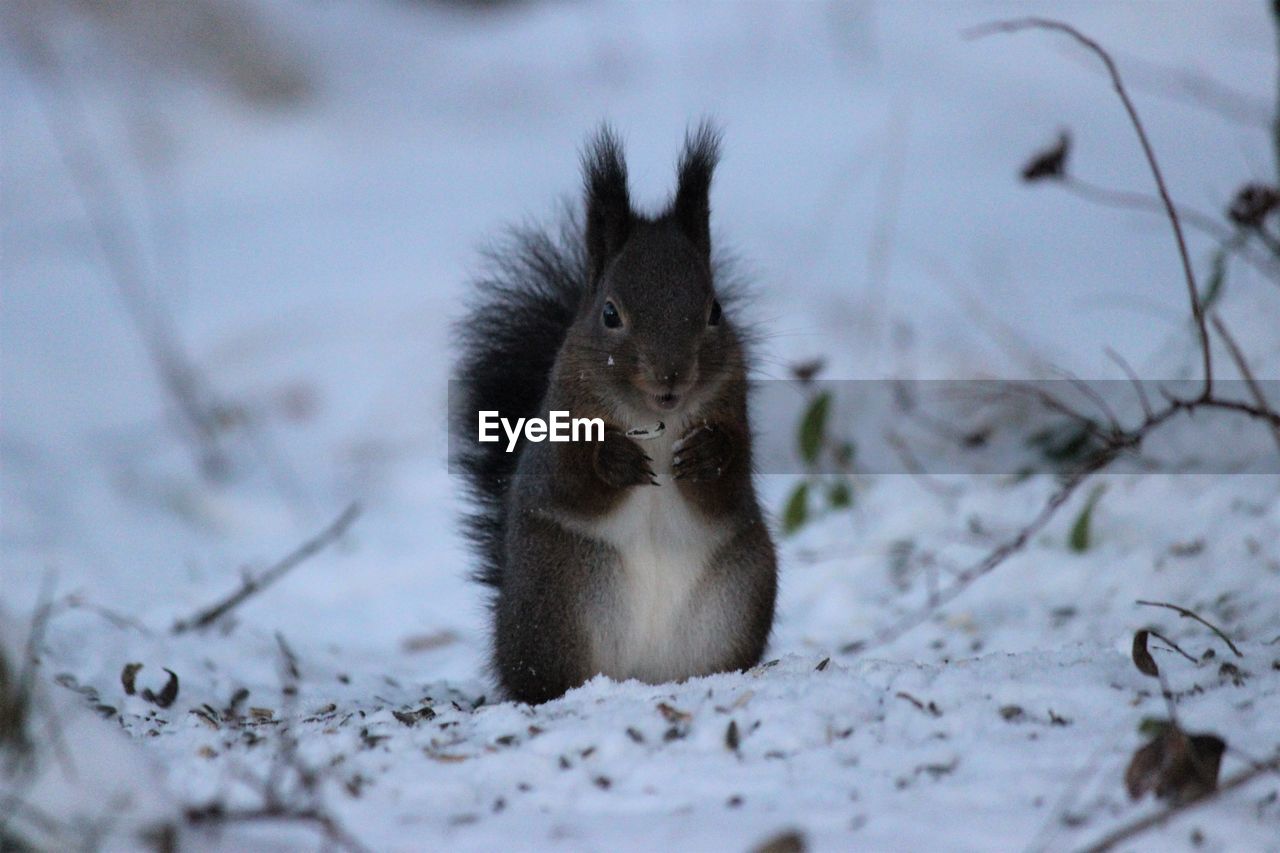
[[669, 378]]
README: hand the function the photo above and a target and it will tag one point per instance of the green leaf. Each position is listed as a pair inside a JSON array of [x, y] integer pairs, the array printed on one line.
[[797, 509], [1081, 535], [1070, 441], [813, 427], [840, 495], [845, 453], [1153, 726]]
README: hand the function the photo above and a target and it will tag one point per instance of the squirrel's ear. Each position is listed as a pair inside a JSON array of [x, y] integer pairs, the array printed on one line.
[[691, 209], [608, 203]]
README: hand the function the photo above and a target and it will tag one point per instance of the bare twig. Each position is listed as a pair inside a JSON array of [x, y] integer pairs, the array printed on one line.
[[1097, 399], [888, 200], [1188, 614], [1196, 89], [1115, 440], [1193, 292], [105, 210], [1156, 819], [1133, 378], [966, 577], [324, 823], [291, 790], [252, 585], [1112, 443], [1171, 644], [1071, 793], [76, 601], [915, 468], [25, 682], [1243, 366], [1232, 241]]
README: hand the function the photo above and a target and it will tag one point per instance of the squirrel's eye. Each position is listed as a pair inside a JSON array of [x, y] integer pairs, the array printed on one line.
[[612, 319], [714, 318]]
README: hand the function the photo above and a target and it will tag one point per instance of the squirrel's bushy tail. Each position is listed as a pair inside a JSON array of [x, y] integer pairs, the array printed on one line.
[[508, 341]]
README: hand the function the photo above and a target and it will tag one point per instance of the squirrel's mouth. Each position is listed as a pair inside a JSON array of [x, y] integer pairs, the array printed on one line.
[[665, 402]]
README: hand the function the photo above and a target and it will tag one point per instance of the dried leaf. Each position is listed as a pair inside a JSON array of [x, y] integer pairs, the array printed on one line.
[[411, 718], [207, 717], [731, 738], [1141, 657], [791, 841], [805, 371], [673, 715], [128, 676], [931, 709], [1049, 163], [1252, 204], [167, 694], [1175, 766], [428, 642]]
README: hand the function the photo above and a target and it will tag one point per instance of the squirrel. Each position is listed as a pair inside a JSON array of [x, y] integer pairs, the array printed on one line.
[[647, 559]]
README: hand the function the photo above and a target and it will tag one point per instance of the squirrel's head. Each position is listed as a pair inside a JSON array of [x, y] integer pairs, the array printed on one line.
[[653, 328]]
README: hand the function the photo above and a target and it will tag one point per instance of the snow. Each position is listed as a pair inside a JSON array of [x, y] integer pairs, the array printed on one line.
[[313, 257]]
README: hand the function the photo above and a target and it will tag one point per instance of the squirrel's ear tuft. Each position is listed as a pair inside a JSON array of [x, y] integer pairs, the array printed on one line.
[[608, 202], [691, 209]]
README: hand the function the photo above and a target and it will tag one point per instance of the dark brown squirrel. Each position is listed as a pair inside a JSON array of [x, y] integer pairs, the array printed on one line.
[[646, 559]]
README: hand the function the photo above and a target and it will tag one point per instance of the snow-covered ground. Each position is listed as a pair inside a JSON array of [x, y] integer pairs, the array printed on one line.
[[312, 256]]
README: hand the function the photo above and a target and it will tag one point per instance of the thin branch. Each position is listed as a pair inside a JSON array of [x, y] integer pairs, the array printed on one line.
[[1196, 89], [1193, 292], [1133, 378], [1117, 440], [1094, 397], [1151, 821], [914, 467], [1185, 613], [1243, 366], [1171, 644], [1126, 200], [25, 682], [1112, 445], [324, 823], [252, 585], [105, 210], [1232, 241], [966, 577]]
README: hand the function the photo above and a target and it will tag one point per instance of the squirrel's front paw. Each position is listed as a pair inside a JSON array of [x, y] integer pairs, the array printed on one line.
[[702, 454], [620, 462]]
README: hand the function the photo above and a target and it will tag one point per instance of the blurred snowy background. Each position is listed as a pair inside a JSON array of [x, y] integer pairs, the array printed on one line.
[[233, 234]]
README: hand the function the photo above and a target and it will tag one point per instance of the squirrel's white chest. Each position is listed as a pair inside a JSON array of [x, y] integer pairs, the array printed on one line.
[[655, 624]]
